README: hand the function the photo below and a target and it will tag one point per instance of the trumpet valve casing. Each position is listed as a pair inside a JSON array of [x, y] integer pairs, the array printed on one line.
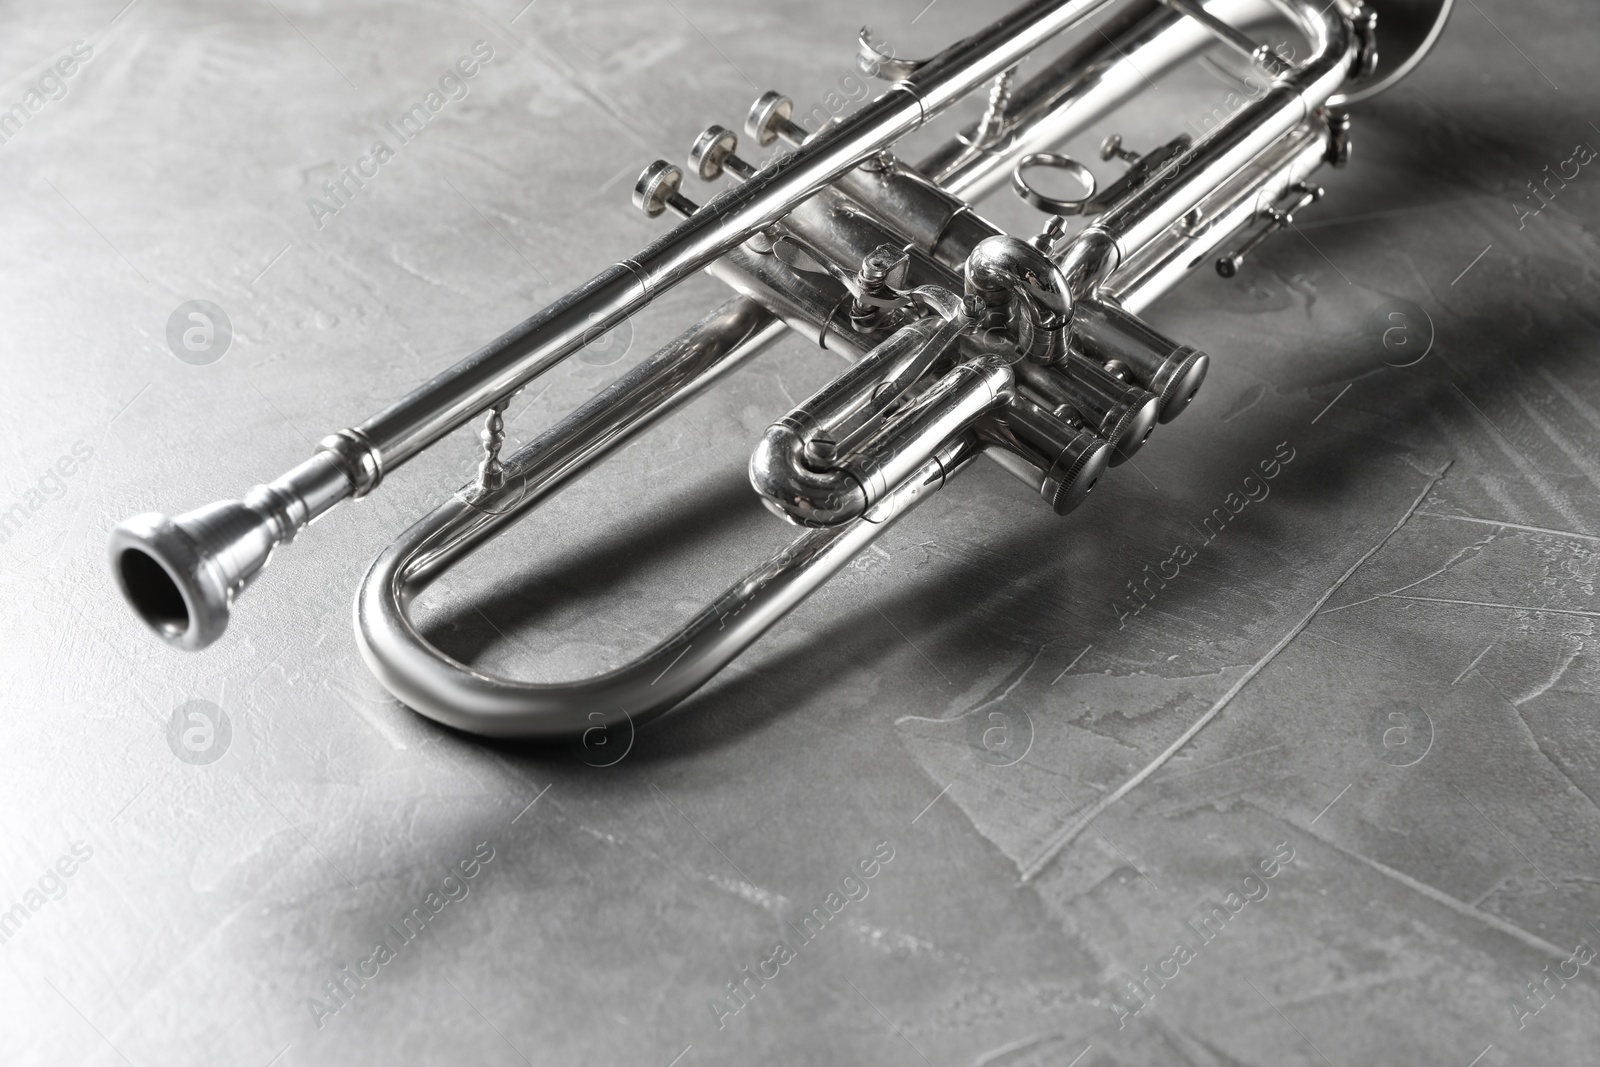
[[1121, 413], [1074, 459], [1105, 332]]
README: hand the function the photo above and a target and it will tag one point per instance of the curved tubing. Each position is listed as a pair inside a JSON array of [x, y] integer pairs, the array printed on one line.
[[793, 467], [826, 463], [1005, 266], [795, 490], [457, 695]]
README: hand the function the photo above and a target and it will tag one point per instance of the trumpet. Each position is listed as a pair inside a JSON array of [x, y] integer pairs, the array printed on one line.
[[964, 340]]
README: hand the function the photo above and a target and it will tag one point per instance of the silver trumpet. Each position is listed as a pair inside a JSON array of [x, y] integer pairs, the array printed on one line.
[[964, 340]]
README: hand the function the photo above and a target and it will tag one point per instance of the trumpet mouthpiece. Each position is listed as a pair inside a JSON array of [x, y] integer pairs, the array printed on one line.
[[181, 575]]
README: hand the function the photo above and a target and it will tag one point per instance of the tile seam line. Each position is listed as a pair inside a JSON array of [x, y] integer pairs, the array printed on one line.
[[1064, 837]]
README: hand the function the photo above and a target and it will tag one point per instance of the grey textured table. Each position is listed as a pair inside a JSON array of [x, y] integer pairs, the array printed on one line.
[[1389, 642]]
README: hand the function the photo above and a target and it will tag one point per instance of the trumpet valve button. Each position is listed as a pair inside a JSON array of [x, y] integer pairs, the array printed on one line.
[[657, 189], [1077, 471], [769, 119], [713, 152]]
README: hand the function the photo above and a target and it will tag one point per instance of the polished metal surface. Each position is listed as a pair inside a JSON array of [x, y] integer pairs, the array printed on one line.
[[1104, 382], [820, 466], [1339, 611]]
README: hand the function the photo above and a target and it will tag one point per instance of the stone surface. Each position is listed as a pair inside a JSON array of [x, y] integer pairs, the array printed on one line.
[[1390, 657]]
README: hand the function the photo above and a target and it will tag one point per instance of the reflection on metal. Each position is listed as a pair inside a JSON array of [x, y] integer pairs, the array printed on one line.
[[966, 341]]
